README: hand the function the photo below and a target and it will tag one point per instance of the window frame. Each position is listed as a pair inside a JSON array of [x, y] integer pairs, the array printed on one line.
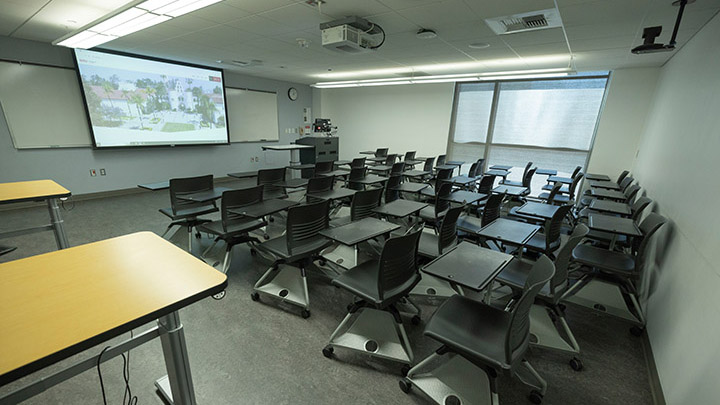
[[488, 144]]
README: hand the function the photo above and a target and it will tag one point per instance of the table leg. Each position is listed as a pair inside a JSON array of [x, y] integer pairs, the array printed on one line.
[[176, 387], [295, 160], [57, 224]]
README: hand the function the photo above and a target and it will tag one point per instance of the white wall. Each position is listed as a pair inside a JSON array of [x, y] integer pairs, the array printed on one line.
[[627, 104], [128, 167], [401, 118], [677, 165]]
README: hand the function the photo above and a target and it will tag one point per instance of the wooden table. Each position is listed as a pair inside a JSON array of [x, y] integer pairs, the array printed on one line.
[[37, 190], [95, 292]]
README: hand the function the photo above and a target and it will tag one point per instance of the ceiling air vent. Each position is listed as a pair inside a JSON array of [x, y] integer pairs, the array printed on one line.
[[534, 20]]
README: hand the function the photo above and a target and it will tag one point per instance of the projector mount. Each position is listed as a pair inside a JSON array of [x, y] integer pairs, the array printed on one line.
[[650, 33]]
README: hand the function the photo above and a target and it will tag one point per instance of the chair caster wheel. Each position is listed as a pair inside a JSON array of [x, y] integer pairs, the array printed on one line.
[[535, 397], [328, 351], [404, 370], [266, 237], [637, 331], [271, 219], [305, 314], [255, 296], [415, 320], [198, 235], [322, 262], [405, 385], [562, 307], [253, 252], [219, 295], [576, 364]]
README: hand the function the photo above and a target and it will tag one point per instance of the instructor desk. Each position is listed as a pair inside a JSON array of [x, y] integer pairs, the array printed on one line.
[[84, 301]]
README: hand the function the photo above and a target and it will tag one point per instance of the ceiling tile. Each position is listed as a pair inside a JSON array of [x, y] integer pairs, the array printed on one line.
[[470, 31], [557, 48], [604, 12], [261, 26], [489, 9], [297, 17], [584, 45], [336, 9], [403, 4], [220, 13], [446, 12], [259, 6], [539, 37], [393, 23], [191, 23]]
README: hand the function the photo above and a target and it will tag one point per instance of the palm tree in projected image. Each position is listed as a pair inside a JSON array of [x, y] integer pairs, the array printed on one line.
[[108, 88], [137, 99], [126, 96], [151, 92]]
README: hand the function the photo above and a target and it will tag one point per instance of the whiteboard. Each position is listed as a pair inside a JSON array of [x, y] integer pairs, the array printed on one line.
[[43, 106], [252, 115]]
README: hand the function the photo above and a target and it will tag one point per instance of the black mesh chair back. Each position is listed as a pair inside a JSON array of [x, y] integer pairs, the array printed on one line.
[[363, 202], [553, 226], [390, 159], [304, 222], [486, 183], [320, 184], [622, 176], [473, 170], [518, 335], [491, 211], [398, 263], [559, 283], [234, 199], [324, 167], [577, 178], [397, 168], [381, 152], [554, 192], [576, 171], [357, 163], [447, 233], [441, 160], [638, 207], [625, 183], [648, 227], [391, 194], [269, 178], [189, 185], [527, 177], [443, 175], [409, 156], [527, 168], [429, 164], [480, 167], [441, 198], [356, 173], [630, 193]]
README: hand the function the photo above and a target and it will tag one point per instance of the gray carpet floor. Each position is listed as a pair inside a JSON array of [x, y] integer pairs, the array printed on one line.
[[245, 352]]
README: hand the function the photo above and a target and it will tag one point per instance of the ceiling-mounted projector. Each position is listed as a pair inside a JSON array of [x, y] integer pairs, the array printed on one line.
[[650, 33], [351, 35]]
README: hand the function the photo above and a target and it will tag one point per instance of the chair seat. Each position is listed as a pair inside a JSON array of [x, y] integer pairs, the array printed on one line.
[[234, 228], [472, 329], [428, 192], [188, 213], [469, 224], [278, 247], [362, 281], [513, 183], [585, 201], [428, 214], [515, 274], [428, 245], [274, 194], [559, 198], [604, 259], [563, 189], [537, 243], [6, 249]]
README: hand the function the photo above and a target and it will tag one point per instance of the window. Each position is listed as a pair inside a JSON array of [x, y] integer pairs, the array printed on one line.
[[550, 122]]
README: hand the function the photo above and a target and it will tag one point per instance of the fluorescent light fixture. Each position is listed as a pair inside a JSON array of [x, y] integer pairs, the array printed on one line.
[[137, 17], [465, 77]]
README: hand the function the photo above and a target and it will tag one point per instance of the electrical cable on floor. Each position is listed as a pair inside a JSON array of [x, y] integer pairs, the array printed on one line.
[[102, 386], [62, 203], [131, 400]]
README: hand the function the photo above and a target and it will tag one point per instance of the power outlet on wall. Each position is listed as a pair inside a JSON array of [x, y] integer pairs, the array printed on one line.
[[93, 173], [102, 172]]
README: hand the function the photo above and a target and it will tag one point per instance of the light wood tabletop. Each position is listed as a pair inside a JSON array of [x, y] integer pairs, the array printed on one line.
[[60, 303], [31, 190]]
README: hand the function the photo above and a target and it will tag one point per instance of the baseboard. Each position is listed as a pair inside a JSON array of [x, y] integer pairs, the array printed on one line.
[[94, 196], [654, 377]]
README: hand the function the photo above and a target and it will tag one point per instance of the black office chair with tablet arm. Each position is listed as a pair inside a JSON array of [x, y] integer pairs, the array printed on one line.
[[544, 323], [520, 183], [234, 228], [548, 241], [486, 342], [186, 213], [356, 173], [271, 180], [489, 212], [391, 193], [319, 185], [361, 206], [434, 244], [378, 286], [532, 219], [300, 244], [323, 167], [434, 212]]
